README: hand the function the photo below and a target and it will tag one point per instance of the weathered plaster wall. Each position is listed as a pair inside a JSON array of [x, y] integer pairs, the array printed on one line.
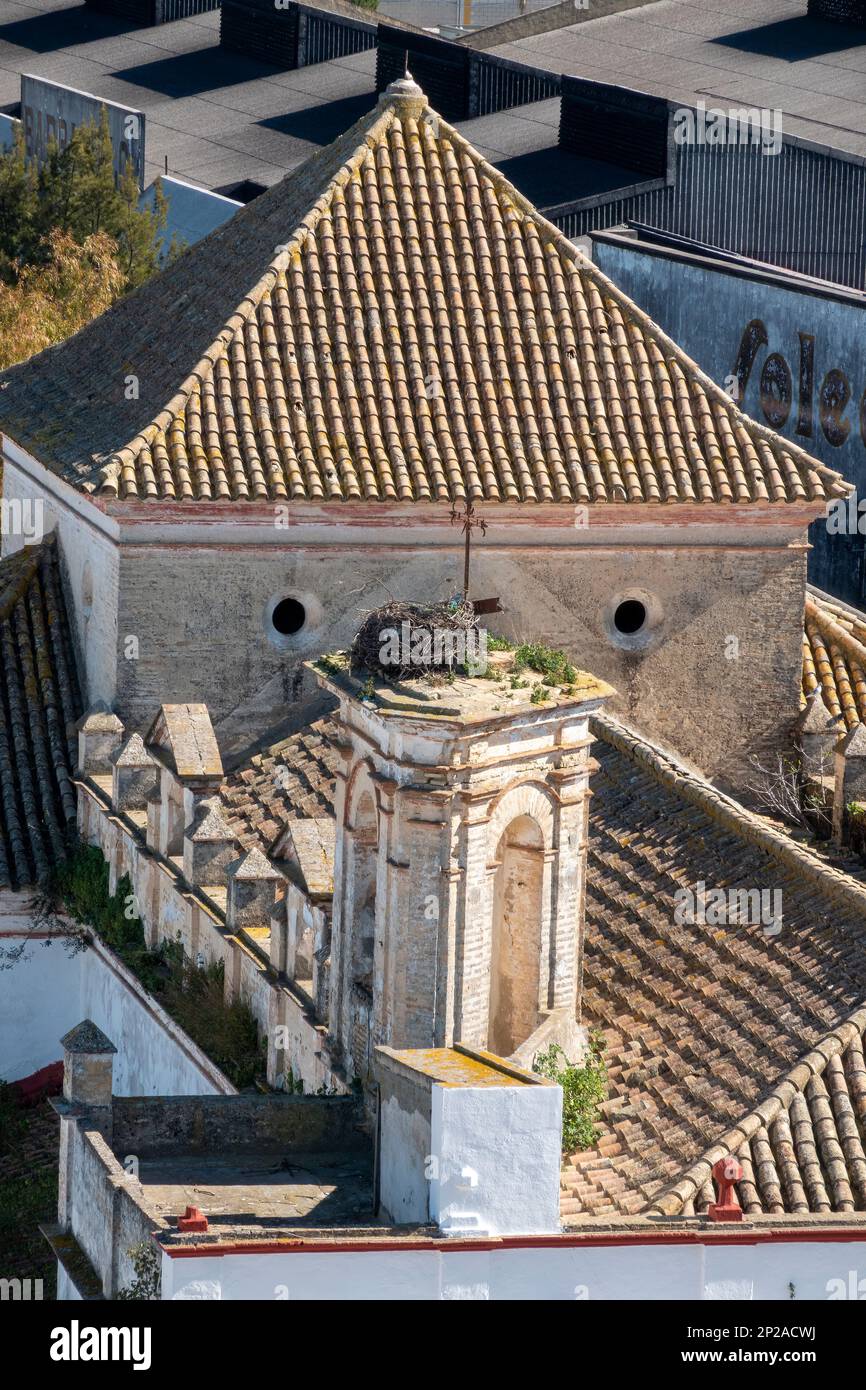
[[154, 1057], [97, 1207], [52, 988], [199, 617], [219, 1124], [177, 612], [404, 1143], [683, 687], [817, 332], [170, 912], [498, 1151]]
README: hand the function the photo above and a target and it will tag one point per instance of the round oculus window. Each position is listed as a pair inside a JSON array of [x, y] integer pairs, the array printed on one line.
[[629, 617], [288, 617]]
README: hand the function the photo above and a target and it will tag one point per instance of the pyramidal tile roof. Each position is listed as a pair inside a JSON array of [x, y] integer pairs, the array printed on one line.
[[834, 656], [393, 322], [39, 699]]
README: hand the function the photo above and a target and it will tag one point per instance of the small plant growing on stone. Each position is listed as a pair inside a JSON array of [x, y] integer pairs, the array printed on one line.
[[145, 1287], [547, 661], [294, 1086], [334, 662], [584, 1087], [538, 696]]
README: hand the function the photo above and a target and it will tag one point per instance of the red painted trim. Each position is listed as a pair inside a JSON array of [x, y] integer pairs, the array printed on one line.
[[566, 1241]]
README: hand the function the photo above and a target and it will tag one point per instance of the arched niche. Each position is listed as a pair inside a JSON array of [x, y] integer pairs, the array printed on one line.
[[516, 935]]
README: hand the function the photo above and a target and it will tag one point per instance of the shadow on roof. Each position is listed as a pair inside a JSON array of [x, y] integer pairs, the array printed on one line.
[[188, 74], [322, 124], [795, 39], [47, 33], [552, 176]]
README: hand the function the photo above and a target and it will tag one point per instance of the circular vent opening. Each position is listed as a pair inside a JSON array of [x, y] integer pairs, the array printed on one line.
[[288, 617], [629, 617]]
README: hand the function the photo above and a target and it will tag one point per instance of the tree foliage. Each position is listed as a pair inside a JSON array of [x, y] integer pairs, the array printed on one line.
[[76, 191], [72, 238], [55, 297]]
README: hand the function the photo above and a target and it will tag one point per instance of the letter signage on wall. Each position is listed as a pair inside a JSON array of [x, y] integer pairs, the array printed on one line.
[[790, 350], [51, 112]]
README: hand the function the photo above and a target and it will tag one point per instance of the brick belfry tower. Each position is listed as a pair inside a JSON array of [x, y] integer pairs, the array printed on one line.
[[460, 861]]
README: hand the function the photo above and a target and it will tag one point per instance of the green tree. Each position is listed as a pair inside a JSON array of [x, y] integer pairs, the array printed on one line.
[[17, 207], [52, 299], [76, 192]]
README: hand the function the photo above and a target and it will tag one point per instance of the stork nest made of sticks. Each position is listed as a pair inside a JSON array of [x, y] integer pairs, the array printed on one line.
[[406, 640]]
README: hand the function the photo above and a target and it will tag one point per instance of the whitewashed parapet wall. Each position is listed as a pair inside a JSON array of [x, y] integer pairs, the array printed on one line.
[[247, 916], [54, 984]]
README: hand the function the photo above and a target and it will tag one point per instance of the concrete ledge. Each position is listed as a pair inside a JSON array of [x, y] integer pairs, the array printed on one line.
[[75, 1264]]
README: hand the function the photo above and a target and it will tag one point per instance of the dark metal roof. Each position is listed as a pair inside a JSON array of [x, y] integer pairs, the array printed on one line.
[[729, 53], [218, 117]]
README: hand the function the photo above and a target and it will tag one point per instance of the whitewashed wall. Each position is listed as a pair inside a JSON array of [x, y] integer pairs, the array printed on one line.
[[49, 991], [663, 1271], [154, 1058], [39, 995]]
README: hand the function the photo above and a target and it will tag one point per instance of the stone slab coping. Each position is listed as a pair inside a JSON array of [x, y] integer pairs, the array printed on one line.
[[74, 1261], [459, 1066], [592, 1231], [466, 700]]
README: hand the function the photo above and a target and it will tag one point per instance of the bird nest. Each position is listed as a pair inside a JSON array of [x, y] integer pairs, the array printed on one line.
[[406, 640]]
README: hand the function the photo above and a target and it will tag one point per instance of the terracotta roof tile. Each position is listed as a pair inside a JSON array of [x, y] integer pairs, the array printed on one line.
[[702, 1022], [292, 780], [834, 656], [393, 322], [39, 700]]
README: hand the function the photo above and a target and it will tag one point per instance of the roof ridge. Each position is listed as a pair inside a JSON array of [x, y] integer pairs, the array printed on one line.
[[812, 1063], [831, 628], [666, 768], [642, 318], [373, 123]]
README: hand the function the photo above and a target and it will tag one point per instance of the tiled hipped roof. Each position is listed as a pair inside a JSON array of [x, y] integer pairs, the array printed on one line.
[[701, 1021], [393, 322], [834, 656], [803, 1149], [39, 699]]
